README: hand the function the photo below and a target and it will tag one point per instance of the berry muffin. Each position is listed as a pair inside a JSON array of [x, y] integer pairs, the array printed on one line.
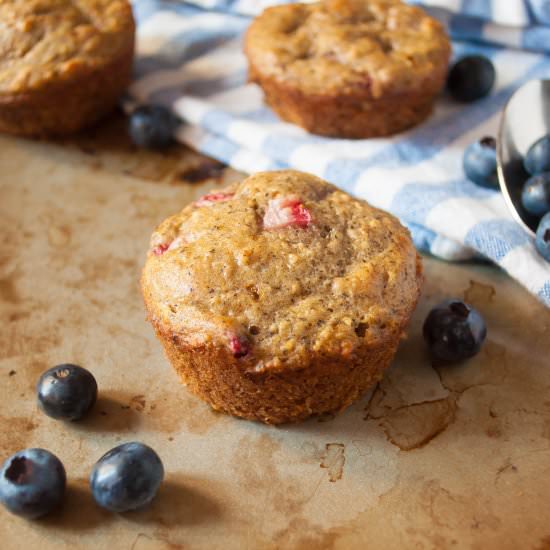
[[281, 296], [348, 68], [63, 64]]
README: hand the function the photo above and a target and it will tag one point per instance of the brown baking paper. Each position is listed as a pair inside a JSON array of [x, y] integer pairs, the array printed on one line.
[[450, 457]]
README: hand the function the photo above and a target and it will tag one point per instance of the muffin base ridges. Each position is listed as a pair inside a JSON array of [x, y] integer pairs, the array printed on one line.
[[352, 116], [325, 385]]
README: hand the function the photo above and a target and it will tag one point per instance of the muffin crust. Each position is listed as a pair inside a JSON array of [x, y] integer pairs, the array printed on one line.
[[381, 60], [63, 63], [281, 296]]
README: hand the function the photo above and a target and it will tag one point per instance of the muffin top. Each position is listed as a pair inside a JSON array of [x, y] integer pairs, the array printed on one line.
[[46, 41], [336, 47], [279, 267]]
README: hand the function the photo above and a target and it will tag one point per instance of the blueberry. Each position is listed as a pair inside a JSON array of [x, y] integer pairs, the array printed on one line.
[[127, 477], [66, 391], [537, 159], [152, 126], [480, 162], [541, 10], [32, 483], [454, 331], [471, 78], [542, 241], [535, 195]]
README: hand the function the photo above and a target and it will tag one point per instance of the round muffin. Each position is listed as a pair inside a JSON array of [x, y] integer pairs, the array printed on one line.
[[349, 68], [281, 296], [63, 64]]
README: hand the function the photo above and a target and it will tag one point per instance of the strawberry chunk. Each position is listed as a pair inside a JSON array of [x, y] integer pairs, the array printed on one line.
[[286, 212], [160, 249], [210, 198], [239, 346]]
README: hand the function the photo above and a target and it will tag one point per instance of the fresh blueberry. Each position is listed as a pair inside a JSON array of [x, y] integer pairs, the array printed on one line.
[[542, 241], [152, 126], [32, 483], [537, 159], [471, 78], [480, 162], [535, 195], [454, 331], [127, 477], [66, 391]]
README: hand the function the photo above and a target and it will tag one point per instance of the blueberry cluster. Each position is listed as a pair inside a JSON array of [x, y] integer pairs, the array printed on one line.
[[480, 166], [535, 196], [453, 330], [32, 481], [472, 78]]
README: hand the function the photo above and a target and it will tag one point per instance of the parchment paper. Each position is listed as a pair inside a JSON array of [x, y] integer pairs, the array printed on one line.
[[454, 457]]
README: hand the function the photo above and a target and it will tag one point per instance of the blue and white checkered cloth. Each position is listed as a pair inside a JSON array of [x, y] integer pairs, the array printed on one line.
[[190, 57]]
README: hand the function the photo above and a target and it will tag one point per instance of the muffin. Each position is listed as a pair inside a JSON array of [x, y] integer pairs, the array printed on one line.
[[281, 296], [348, 68], [63, 64]]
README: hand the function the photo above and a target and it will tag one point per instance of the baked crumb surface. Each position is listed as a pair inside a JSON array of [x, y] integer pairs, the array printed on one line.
[[339, 47], [44, 42], [280, 267]]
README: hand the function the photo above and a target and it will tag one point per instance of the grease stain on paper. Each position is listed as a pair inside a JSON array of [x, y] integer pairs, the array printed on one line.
[[333, 460]]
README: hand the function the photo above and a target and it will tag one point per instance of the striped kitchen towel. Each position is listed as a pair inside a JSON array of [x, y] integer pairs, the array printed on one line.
[[190, 58]]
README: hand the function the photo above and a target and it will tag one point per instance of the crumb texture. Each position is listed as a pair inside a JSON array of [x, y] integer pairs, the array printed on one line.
[[340, 47], [284, 266], [46, 41]]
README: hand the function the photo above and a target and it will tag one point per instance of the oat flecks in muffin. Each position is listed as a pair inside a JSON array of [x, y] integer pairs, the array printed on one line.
[[304, 316], [63, 63], [310, 57]]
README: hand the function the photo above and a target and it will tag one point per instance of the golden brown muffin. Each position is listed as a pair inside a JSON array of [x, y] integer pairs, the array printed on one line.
[[63, 64], [281, 296], [348, 68]]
